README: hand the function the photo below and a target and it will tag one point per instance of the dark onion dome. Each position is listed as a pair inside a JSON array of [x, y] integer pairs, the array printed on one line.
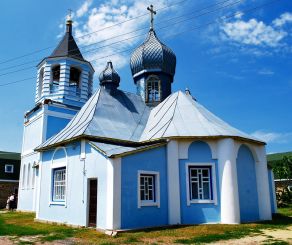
[[109, 76], [152, 54]]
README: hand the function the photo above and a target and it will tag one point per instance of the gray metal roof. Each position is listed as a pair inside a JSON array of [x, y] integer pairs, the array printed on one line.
[[181, 116], [153, 54], [108, 114], [117, 117]]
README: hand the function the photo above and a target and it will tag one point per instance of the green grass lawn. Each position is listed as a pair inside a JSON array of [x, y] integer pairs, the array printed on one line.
[[22, 224]]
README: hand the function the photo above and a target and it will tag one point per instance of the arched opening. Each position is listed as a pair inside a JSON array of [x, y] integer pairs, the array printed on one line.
[[74, 80], [247, 185], [40, 83], [55, 78], [153, 93]]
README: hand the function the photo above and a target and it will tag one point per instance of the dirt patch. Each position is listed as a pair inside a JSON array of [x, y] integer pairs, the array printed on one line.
[[6, 240], [267, 236]]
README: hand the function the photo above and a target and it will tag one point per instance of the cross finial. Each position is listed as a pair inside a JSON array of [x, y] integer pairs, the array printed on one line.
[[69, 14], [152, 13]]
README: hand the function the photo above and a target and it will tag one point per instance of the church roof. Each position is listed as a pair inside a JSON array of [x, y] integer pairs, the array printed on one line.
[[120, 118], [67, 48], [107, 115], [152, 54], [181, 116]]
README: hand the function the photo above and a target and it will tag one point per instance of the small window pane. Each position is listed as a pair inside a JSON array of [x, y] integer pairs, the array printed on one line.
[[200, 183], [147, 187]]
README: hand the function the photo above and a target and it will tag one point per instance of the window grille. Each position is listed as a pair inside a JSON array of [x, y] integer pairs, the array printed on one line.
[[200, 183], [153, 89], [147, 187], [59, 184]]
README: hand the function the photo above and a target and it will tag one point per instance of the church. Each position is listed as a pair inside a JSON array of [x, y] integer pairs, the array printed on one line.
[[116, 160]]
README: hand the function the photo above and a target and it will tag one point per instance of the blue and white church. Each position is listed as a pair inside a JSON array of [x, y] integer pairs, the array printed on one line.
[[116, 160]]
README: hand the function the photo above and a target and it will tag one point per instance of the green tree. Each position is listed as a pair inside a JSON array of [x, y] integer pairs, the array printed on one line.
[[283, 170]]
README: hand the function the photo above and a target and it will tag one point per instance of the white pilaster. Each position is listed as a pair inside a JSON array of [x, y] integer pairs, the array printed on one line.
[[174, 216], [230, 213], [265, 212], [113, 194]]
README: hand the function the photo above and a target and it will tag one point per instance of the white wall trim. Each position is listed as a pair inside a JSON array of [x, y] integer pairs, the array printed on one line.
[[173, 182], [229, 197], [213, 182], [157, 189], [83, 150], [113, 210]]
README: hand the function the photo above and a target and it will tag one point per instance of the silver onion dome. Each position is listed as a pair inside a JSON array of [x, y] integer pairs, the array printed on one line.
[[152, 54], [109, 76]]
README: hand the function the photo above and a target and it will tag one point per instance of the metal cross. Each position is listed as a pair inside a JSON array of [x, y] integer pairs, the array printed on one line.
[[152, 13], [69, 14]]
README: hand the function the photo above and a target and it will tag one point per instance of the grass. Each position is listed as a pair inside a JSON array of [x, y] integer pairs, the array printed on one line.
[[21, 225]]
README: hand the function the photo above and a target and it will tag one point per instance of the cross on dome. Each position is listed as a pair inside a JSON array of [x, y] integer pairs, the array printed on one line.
[[69, 16], [152, 13]]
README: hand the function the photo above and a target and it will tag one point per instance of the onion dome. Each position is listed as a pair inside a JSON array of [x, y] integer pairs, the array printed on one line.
[[109, 76], [152, 54]]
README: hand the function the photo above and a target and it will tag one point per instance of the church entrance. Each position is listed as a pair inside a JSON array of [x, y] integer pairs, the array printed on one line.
[[92, 202]]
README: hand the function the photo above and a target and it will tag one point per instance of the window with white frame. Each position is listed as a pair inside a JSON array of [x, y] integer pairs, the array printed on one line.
[[201, 183], [9, 168], [148, 188], [59, 184]]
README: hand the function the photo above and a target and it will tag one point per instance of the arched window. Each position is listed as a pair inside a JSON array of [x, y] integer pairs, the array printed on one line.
[[74, 81], [40, 84], [55, 79], [153, 89]]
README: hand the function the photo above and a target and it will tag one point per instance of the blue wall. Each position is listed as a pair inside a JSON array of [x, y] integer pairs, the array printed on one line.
[[199, 152], [55, 125], [247, 185], [271, 186], [131, 215]]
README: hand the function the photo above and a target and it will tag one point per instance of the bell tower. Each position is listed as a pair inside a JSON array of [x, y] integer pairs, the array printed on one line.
[[64, 84], [153, 67], [65, 76]]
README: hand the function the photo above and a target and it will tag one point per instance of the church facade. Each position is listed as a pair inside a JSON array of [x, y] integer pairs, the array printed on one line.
[[116, 160]]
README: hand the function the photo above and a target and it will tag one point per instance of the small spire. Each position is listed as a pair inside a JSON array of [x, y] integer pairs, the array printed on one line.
[[69, 22], [152, 13]]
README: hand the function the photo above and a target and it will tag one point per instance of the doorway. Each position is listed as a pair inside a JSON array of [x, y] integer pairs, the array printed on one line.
[[92, 203]]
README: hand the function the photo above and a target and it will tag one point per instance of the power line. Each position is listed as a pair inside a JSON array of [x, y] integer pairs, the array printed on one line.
[[179, 33], [102, 29], [200, 10], [130, 38]]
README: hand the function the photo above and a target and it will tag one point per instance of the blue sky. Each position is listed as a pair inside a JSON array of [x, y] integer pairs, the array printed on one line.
[[239, 67]]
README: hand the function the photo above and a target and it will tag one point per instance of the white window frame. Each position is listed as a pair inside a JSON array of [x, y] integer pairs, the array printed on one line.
[[213, 182], [55, 165], [12, 168], [54, 199], [142, 203]]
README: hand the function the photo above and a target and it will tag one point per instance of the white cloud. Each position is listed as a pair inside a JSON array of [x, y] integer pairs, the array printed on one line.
[[253, 32], [283, 19], [266, 72], [84, 8], [273, 137], [92, 17]]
